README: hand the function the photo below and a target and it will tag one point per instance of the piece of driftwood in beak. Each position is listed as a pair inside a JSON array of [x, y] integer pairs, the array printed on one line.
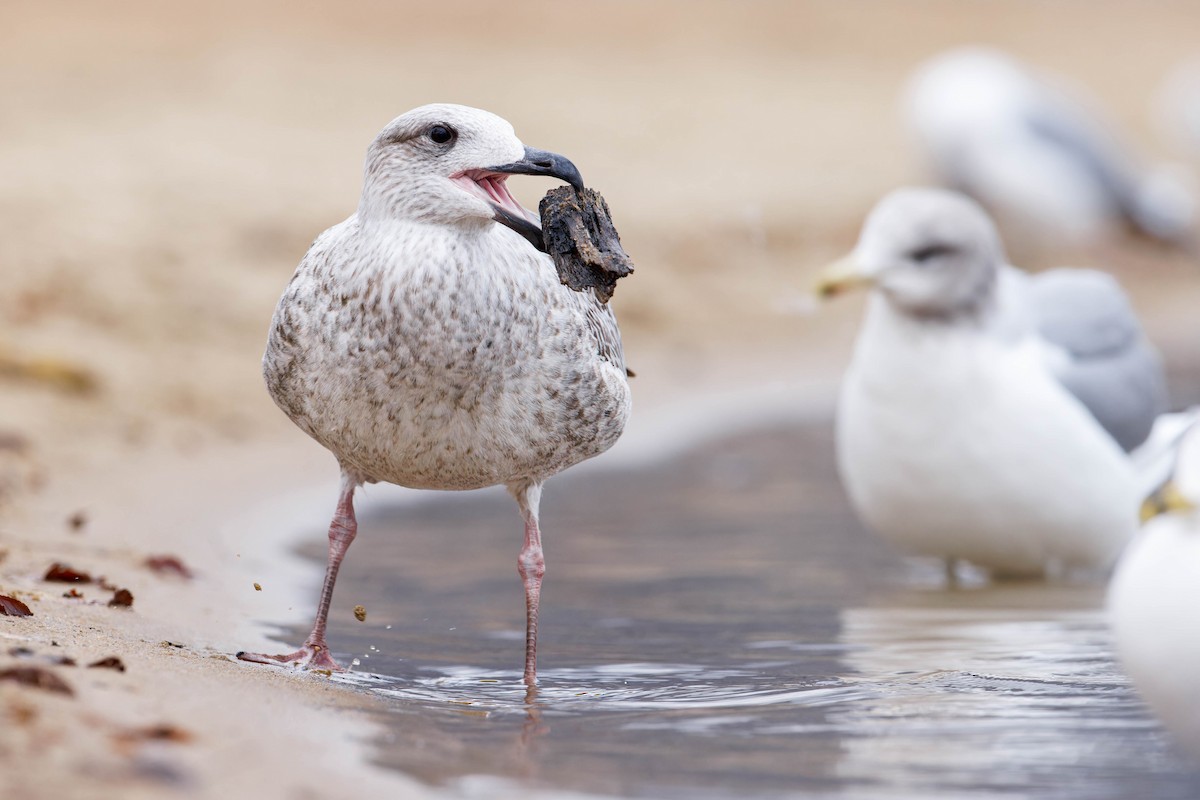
[[578, 232]]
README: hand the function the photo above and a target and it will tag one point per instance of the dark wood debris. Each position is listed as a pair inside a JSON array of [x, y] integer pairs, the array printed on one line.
[[578, 233]]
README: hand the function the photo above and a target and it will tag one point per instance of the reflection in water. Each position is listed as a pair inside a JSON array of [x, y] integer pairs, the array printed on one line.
[[750, 641], [997, 691]]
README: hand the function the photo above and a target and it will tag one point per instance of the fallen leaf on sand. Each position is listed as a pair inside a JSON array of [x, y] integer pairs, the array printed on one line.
[[122, 598], [37, 678], [58, 661], [168, 564], [154, 733], [63, 574], [12, 607], [360, 613], [48, 371], [13, 442], [21, 714], [111, 662]]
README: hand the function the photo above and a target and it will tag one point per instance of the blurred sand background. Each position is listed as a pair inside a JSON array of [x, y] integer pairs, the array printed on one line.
[[165, 166]]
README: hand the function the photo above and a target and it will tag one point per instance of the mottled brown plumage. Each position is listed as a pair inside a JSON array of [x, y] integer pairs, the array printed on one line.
[[425, 345]]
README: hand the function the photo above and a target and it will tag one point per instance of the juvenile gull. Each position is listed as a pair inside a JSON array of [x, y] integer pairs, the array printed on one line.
[[425, 345], [958, 433], [1037, 153], [1154, 602]]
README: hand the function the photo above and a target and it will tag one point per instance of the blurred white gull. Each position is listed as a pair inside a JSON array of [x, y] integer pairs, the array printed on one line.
[[1177, 106], [426, 342], [986, 415], [1038, 154], [1154, 603]]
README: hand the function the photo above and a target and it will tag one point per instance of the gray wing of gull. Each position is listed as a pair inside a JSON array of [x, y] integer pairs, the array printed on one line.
[[1110, 367], [1092, 145]]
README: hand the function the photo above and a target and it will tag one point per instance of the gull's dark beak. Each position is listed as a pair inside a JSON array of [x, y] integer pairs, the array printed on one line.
[[535, 162], [540, 162], [521, 224]]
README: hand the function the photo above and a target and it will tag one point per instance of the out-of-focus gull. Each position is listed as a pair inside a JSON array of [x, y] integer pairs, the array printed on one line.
[[1098, 350], [1037, 152], [1154, 603], [1177, 106], [959, 432], [425, 345]]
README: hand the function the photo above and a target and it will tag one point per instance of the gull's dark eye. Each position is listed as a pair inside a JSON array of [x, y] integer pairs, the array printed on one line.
[[441, 134], [930, 252]]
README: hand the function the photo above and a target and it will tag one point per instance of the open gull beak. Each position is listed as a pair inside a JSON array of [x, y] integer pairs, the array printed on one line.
[[488, 183], [841, 276]]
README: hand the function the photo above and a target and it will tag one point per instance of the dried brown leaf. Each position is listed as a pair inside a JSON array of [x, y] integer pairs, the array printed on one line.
[[155, 733], [12, 607], [111, 662], [122, 598], [168, 564], [61, 573], [36, 677]]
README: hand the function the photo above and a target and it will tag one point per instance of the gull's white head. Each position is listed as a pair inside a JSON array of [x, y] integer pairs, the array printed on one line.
[[932, 253], [447, 164]]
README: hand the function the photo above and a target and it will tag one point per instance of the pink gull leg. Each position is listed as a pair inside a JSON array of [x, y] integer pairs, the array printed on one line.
[[532, 566], [315, 653]]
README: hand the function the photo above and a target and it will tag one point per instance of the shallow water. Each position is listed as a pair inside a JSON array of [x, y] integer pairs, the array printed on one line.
[[721, 627]]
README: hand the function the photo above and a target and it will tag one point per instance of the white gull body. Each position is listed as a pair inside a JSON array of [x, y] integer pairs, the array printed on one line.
[[955, 436], [1154, 605], [427, 345]]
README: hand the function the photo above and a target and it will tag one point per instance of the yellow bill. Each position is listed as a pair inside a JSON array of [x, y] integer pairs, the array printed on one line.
[[1166, 500], [841, 276]]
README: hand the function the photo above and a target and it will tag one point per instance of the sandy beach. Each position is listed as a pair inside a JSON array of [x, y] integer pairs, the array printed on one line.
[[165, 170]]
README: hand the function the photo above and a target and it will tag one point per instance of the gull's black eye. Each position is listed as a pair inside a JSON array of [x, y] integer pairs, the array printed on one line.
[[930, 252], [441, 134]]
